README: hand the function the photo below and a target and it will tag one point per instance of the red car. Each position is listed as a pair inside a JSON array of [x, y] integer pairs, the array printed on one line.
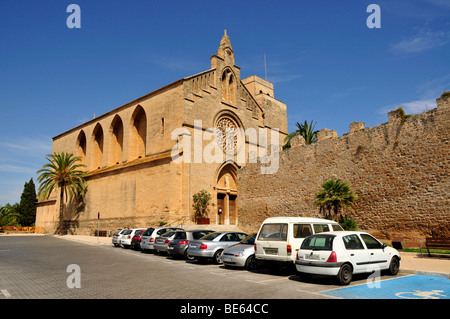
[[136, 240]]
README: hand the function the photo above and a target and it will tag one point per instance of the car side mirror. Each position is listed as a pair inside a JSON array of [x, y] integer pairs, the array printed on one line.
[[383, 246]]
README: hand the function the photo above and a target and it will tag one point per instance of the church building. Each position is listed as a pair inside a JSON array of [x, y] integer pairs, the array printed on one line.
[[146, 159]]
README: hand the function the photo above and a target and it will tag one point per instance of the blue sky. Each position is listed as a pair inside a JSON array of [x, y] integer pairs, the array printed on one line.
[[324, 61]]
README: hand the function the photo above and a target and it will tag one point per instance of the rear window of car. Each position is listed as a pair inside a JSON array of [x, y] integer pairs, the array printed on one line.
[[200, 234], [180, 235], [127, 232], [321, 242], [148, 232], [277, 232], [211, 236], [138, 232], [169, 234]]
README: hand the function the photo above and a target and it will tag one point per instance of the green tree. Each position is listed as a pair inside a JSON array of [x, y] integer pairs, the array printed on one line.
[[64, 172], [306, 130], [28, 202], [334, 196], [201, 203], [10, 215]]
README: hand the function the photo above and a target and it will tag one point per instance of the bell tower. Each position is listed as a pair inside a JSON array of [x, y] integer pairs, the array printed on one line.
[[225, 53]]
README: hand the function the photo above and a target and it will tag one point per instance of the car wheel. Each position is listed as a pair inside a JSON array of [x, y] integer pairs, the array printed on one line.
[[217, 258], [345, 274], [187, 256], [251, 263], [394, 266]]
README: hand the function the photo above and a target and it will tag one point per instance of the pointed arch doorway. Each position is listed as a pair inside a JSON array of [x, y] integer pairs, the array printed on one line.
[[226, 189]]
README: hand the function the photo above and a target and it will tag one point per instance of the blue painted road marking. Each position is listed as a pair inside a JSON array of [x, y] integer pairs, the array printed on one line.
[[409, 287]]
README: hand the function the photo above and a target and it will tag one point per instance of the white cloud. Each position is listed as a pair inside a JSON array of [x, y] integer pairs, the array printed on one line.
[[422, 41], [411, 107], [31, 146]]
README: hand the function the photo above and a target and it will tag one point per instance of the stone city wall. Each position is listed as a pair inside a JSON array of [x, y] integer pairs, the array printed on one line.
[[399, 170]]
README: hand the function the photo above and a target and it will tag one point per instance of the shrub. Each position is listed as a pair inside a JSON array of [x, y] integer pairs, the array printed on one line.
[[348, 224]]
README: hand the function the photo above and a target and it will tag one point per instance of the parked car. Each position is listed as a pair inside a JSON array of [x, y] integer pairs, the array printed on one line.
[[161, 242], [212, 245], [136, 240], [150, 234], [126, 237], [279, 237], [117, 235], [179, 244], [343, 254], [242, 254]]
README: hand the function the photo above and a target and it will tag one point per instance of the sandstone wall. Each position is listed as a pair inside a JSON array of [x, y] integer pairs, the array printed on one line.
[[399, 170]]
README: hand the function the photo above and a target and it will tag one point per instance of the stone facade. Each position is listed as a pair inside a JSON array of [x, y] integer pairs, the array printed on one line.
[[400, 171], [132, 153]]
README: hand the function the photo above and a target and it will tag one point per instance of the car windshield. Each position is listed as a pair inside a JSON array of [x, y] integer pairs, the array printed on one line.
[[320, 242], [211, 236], [249, 240]]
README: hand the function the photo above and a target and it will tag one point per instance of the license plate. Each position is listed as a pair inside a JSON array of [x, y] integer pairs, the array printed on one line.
[[193, 246], [169, 247], [227, 259], [271, 251], [312, 257]]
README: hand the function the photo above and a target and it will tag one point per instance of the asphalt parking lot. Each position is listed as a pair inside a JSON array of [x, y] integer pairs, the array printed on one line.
[[42, 267]]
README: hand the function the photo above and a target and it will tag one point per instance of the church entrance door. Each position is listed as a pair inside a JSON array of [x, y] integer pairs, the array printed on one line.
[[226, 188]]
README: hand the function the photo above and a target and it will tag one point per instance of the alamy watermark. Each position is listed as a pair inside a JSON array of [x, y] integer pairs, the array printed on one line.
[[74, 19], [74, 279], [227, 144], [373, 21]]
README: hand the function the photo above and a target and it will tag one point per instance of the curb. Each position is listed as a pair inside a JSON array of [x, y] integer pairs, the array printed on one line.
[[424, 273]]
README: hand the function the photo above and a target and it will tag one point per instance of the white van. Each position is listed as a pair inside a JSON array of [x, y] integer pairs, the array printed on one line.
[[279, 238]]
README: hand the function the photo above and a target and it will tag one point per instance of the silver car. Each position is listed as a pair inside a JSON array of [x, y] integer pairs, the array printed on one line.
[[117, 236], [161, 242], [212, 245], [242, 254], [179, 244], [149, 236]]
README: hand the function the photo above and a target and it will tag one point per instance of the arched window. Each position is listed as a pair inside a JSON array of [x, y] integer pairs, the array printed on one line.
[[138, 133], [81, 146], [97, 147], [228, 86], [231, 90], [116, 145]]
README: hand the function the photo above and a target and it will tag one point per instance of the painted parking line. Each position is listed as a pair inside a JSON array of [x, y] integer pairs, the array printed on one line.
[[409, 287], [266, 281]]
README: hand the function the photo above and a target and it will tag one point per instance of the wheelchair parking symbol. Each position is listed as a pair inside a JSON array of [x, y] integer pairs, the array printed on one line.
[[420, 294]]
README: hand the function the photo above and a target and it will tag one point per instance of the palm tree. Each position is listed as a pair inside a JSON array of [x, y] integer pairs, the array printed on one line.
[[64, 172], [306, 130], [333, 196], [9, 215]]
